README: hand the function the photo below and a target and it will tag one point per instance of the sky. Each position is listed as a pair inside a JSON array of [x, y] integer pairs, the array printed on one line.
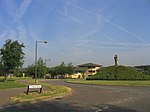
[[79, 31]]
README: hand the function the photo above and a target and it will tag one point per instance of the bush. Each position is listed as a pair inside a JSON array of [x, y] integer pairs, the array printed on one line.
[[118, 73]]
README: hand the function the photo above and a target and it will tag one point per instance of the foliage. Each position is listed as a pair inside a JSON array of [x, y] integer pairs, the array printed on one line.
[[62, 69], [69, 68], [145, 69], [41, 69], [31, 70], [118, 73], [11, 56], [1, 69], [17, 73]]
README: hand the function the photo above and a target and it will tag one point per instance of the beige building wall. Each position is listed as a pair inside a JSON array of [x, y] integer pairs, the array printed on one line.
[[86, 70], [91, 71], [77, 75]]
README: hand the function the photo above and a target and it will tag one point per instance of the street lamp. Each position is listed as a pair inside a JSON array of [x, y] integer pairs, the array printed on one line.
[[37, 41], [47, 60]]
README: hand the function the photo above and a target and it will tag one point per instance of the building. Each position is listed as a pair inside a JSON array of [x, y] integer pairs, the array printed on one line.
[[85, 70]]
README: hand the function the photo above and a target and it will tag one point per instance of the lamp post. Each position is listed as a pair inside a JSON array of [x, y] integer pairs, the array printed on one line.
[[47, 60], [37, 41]]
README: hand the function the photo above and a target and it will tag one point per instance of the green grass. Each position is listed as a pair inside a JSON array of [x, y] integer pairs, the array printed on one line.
[[113, 83], [52, 92], [11, 83]]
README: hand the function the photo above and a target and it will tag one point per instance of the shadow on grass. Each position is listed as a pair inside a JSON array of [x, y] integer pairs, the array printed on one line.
[[55, 106]]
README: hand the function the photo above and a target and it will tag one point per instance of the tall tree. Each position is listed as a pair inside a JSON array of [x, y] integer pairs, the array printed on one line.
[[69, 68], [11, 56], [61, 69], [1, 69], [41, 69]]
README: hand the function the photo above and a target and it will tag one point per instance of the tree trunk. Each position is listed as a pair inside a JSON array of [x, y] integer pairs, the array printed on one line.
[[6, 77]]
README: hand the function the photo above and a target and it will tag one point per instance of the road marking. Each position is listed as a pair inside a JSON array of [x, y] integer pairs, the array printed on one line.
[[100, 110]]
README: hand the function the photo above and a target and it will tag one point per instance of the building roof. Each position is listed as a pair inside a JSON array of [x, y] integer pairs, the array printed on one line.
[[90, 65], [80, 69]]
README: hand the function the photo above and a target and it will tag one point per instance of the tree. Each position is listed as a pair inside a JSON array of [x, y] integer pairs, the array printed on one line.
[[31, 70], [11, 56], [69, 68], [1, 69], [41, 69], [62, 69]]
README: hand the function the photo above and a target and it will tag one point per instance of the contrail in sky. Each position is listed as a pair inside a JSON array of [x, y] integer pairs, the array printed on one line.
[[23, 8], [110, 22], [74, 18], [126, 44], [107, 36], [22, 31], [123, 29]]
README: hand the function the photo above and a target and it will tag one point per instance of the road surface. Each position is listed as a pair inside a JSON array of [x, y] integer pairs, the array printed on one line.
[[91, 98]]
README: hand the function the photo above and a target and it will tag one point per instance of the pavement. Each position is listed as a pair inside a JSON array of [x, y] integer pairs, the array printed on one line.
[[89, 98]]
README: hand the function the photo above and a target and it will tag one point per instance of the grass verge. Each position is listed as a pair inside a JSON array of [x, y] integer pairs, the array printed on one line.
[[51, 92], [112, 83], [10, 84]]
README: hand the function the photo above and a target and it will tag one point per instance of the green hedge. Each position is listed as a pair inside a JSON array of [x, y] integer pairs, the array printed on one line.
[[119, 73]]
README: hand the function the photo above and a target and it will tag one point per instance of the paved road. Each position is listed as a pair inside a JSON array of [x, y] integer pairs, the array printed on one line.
[[91, 98], [6, 94]]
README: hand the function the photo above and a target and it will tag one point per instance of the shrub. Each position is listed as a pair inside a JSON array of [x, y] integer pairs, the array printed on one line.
[[118, 73]]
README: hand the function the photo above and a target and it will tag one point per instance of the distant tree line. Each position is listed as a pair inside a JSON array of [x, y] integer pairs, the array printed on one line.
[[41, 69], [57, 71], [145, 69], [11, 61], [61, 70]]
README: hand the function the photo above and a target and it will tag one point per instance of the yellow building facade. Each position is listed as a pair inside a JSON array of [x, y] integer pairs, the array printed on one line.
[[85, 70]]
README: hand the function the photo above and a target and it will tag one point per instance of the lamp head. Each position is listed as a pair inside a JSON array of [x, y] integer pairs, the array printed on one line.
[[45, 42]]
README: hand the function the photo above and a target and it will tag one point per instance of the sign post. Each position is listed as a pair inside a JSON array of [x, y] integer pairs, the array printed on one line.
[[34, 87]]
